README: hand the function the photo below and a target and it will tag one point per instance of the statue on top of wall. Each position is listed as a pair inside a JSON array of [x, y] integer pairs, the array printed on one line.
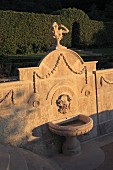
[[57, 32]]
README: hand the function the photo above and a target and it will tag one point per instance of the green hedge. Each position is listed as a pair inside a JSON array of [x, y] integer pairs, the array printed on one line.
[[85, 32], [72, 18], [24, 33]]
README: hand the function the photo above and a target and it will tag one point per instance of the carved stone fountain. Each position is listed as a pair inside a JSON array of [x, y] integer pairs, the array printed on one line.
[[71, 127], [63, 94]]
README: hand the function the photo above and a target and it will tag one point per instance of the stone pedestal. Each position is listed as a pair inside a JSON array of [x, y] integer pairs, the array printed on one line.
[[71, 146]]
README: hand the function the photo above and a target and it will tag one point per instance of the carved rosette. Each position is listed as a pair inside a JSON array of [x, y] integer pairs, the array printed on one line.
[[34, 101], [63, 103]]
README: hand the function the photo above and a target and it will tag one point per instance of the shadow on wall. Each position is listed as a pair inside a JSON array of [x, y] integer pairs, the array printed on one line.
[[23, 126], [22, 123], [14, 118], [47, 143]]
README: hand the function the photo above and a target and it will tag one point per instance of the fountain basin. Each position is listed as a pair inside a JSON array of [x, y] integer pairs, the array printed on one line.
[[71, 126]]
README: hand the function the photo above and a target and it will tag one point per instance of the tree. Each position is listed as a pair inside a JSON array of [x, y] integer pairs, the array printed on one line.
[[109, 10]]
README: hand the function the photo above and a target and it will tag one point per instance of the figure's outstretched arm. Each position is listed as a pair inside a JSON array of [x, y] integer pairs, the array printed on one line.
[[65, 29]]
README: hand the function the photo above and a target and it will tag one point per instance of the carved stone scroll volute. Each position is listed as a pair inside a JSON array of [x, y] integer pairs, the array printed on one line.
[[63, 103]]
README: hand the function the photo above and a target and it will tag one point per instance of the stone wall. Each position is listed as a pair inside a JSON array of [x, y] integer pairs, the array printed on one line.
[[104, 83], [27, 105]]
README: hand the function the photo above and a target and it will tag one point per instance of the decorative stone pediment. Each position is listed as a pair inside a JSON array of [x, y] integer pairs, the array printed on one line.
[[59, 60], [56, 81]]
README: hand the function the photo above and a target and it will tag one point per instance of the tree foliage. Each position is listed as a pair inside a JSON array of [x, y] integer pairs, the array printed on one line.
[[25, 33], [109, 10]]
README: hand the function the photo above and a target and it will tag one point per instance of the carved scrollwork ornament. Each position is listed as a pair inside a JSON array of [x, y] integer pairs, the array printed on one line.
[[36, 104], [105, 80], [87, 93], [11, 93], [34, 101]]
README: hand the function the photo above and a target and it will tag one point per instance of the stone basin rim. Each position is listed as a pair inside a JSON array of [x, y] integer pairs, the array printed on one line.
[[86, 119]]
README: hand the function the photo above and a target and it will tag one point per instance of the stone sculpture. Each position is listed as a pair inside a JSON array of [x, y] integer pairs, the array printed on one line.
[[57, 33], [63, 103]]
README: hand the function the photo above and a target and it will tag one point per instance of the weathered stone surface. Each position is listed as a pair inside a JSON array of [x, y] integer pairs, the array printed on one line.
[[32, 101], [105, 127], [35, 162], [4, 158], [12, 158], [91, 134], [17, 160], [4, 161], [71, 146], [104, 81], [62, 85], [72, 126], [45, 148]]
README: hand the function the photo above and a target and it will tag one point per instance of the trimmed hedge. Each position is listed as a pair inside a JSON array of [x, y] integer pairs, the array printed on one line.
[[25, 33], [85, 32], [73, 18], [9, 64]]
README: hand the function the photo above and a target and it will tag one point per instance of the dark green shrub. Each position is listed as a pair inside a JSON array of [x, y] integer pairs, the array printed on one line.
[[73, 17], [25, 33], [85, 32]]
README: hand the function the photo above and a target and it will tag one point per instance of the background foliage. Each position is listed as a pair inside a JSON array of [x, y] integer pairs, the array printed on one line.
[[25, 33]]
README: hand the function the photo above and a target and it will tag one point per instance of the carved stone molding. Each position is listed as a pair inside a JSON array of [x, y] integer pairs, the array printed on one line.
[[34, 101], [83, 70], [11, 94], [105, 80], [86, 91], [55, 67], [62, 87]]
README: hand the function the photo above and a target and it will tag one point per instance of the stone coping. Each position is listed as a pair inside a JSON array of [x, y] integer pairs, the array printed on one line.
[[28, 68], [14, 83], [103, 71], [91, 62]]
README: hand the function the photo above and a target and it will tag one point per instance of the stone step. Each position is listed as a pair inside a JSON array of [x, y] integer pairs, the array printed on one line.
[[4, 158], [4, 161], [37, 162], [3, 148], [17, 160], [13, 158]]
